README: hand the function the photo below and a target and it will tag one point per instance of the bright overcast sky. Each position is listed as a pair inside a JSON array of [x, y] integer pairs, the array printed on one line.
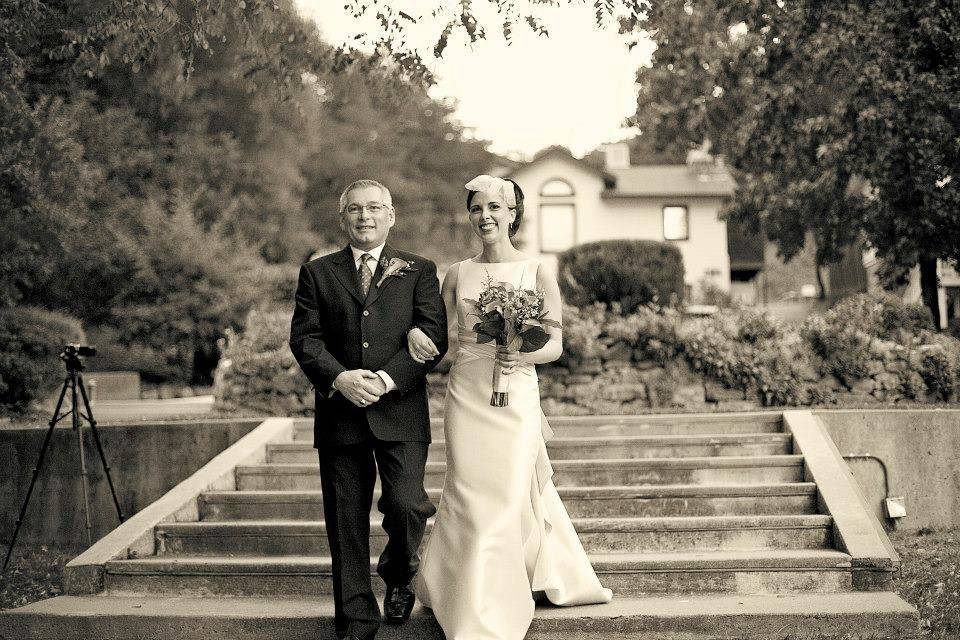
[[574, 88]]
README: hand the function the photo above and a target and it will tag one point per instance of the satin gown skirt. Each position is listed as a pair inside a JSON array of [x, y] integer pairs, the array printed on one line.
[[501, 531]]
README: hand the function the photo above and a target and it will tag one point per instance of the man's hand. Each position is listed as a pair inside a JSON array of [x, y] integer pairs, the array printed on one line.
[[360, 386], [379, 384]]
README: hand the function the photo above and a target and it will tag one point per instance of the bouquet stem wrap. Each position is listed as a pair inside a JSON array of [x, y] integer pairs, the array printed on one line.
[[501, 387]]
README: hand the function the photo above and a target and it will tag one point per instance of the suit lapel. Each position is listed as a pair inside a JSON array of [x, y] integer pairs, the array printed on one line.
[[346, 274], [375, 291]]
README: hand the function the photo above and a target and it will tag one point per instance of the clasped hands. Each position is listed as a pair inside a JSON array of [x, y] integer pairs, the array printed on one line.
[[360, 386]]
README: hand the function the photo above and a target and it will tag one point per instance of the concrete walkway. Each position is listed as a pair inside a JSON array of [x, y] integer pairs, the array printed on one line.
[[106, 411]]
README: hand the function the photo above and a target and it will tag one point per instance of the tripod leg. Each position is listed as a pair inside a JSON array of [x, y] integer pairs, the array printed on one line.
[[75, 413], [36, 471], [96, 439]]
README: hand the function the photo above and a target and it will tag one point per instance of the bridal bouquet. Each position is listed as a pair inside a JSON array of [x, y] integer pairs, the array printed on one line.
[[513, 318]]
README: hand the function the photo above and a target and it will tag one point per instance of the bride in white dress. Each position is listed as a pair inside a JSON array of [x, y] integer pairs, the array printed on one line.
[[501, 532]]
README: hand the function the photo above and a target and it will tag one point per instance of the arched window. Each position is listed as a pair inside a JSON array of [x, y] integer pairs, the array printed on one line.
[[558, 216], [556, 187]]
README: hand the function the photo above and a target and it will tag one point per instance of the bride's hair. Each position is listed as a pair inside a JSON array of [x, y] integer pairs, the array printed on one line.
[[518, 193]]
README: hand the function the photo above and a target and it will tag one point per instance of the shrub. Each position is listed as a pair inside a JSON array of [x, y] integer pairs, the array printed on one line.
[[749, 350], [257, 370], [756, 326], [911, 319], [629, 272], [30, 341], [709, 292], [844, 348], [881, 315], [581, 332], [939, 372]]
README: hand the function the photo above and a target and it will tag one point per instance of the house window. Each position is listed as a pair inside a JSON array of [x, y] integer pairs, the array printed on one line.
[[558, 216], [675, 223], [556, 187], [557, 227]]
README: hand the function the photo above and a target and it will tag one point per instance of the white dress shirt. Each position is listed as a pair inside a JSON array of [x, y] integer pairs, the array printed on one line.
[[375, 252]]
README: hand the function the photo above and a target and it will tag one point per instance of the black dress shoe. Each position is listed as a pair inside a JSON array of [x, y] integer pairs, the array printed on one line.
[[398, 604]]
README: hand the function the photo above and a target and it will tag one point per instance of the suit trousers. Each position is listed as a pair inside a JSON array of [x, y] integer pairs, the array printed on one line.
[[348, 474]]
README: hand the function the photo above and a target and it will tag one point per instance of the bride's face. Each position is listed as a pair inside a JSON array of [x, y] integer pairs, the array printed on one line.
[[490, 217]]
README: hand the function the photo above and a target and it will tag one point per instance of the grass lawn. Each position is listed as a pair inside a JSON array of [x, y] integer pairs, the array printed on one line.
[[34, 573], [930, 579]]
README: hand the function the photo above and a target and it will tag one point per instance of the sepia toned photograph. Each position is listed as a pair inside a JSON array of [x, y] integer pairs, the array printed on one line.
[[479, 320]]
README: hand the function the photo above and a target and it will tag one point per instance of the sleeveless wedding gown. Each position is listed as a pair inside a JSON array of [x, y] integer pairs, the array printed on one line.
[[501, 531]]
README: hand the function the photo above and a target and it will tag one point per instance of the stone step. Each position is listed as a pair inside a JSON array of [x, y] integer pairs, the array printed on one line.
[[630, 574], [664, 424], [856, 616], [582, 502], [645, 471], [568, 448], [599, 535]]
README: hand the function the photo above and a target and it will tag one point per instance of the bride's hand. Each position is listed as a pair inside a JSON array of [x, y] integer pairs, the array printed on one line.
[[507, 359], [420, 346]]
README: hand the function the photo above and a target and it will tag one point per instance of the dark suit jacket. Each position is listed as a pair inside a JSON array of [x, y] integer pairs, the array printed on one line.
[[335, 329]]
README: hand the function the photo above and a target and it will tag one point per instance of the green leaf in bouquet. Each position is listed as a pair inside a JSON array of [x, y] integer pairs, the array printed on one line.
[[550, 323], [533, 338], [515, 344], [491, 327]]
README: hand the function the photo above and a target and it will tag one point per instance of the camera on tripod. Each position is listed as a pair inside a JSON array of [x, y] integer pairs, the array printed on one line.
[[72, 353], [76, 350], [74, 384]]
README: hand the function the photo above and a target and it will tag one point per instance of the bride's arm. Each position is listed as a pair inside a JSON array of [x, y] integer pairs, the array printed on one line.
[[553, 305]]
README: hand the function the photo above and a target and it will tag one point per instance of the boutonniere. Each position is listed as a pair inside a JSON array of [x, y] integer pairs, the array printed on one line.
[[395, 267]]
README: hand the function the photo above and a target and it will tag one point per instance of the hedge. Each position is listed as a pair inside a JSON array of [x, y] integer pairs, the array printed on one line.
[[630, 273], [30, 341]]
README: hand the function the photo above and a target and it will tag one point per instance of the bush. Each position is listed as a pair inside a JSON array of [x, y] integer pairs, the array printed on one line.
[[257, 370], [581, 332], [629, 272], [30, 341], [756, 326], [881, 315], [939, 372], [844, 349]]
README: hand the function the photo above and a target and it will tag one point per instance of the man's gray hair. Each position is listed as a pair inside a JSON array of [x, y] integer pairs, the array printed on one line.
[[361, 184]]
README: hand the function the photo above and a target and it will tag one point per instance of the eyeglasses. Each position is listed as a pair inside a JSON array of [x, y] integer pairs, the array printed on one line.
[[373, 207]]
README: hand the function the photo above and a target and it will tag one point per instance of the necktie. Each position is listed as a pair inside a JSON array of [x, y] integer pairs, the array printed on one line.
[[366, 276]]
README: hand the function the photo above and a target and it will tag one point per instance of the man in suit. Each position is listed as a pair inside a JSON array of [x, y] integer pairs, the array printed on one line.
[[349, 335]]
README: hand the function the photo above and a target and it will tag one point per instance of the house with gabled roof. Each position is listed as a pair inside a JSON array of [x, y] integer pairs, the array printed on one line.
[[569, 201]]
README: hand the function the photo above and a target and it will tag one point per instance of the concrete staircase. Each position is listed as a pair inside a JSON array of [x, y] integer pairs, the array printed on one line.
[[712, 525]]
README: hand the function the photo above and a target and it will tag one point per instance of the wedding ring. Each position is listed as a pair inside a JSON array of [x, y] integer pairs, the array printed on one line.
[[362, 401]]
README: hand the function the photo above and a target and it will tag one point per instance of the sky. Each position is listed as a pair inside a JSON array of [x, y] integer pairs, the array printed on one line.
[[575, 88]]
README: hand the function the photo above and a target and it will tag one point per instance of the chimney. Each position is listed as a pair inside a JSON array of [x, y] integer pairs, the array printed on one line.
[[700, 162], [616, 155]]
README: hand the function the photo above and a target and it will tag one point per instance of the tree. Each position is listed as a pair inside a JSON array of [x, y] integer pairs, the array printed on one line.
[[839, 118], [144, 184]]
